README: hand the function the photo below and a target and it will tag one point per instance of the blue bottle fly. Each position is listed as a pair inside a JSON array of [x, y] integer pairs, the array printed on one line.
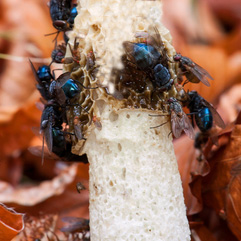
[[143, 55], [204, 113], [43, 79]]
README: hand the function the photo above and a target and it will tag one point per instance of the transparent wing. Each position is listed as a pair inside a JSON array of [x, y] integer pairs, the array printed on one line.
[[62, 79], [200, 73], [187, 126], [217, 119], [129, 50], [35, 73], [48, 136], [78, 132], [176, 125]]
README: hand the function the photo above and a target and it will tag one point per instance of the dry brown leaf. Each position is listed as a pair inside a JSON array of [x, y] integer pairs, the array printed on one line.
[[29, 196], [219, 187], [17, 134], [25, 29], [186, 159], [201, 233], [11, 223]]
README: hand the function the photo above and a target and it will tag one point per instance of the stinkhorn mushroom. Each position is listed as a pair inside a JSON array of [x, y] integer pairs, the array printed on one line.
[[134, 183]]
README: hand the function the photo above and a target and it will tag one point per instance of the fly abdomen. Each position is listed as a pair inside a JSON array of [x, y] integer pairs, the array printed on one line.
[[204, 119], [161, 75], [59, 143], [70, 89]]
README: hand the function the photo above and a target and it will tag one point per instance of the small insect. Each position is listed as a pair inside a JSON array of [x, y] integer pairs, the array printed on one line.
[[193, 72], [80, 187], [179, 120], [90, 60], [58, 53], [74, 52], [43, 77], [203, 112], [97, 122], [77, 129]]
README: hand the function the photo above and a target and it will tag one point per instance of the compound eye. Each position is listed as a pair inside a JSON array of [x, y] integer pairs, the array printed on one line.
[[60, 24]]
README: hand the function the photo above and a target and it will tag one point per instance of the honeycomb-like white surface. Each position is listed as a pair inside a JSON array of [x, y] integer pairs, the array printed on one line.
[[105, 25], [135, 186]]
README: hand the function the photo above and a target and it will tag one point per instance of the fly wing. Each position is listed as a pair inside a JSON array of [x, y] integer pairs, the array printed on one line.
[[48, 136], [217, 119], [78, 132], [200, 73], [62, 79], [35, 73], [57, 93], [129, 50], [60, 96], [38, 151], [176, 125], [154, 38], [187, 126], [203, 71]]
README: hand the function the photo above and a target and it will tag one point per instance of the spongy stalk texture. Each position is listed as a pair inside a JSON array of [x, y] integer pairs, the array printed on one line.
[[135, 186]]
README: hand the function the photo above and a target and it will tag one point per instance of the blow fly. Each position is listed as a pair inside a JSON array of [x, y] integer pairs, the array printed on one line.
[[193, 72], [43, 77], [204, 113], [151, 57], [179, 120]]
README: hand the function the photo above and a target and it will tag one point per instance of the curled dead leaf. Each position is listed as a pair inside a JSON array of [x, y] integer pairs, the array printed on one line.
[[29, 196], [11, 223]]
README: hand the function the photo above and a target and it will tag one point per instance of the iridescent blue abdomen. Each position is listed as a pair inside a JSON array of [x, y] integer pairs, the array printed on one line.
[[204, 119], [70, 89]]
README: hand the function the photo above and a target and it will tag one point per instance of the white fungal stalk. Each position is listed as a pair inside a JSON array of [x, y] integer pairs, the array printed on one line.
[[135, 186]]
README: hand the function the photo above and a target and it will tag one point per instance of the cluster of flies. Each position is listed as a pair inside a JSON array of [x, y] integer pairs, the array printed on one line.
[[58, 93], [151, 57]]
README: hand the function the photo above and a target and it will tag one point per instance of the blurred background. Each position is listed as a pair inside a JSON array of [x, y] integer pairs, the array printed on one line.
[[207, 31]]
